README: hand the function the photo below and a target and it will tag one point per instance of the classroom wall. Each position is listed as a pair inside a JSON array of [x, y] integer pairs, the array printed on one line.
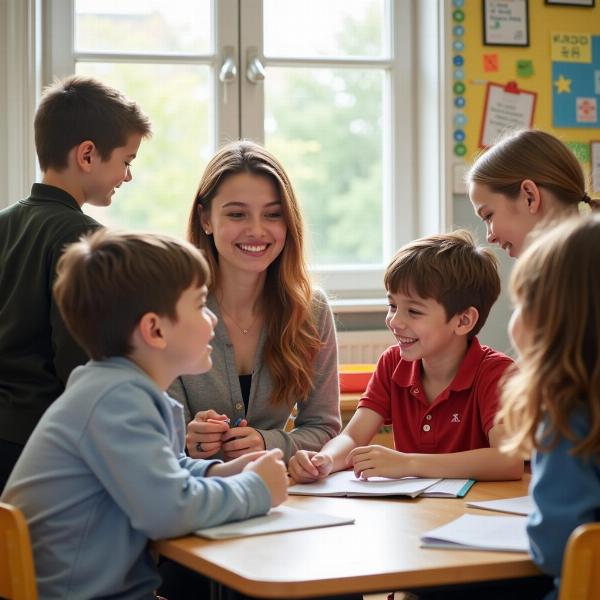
[[543, 21]]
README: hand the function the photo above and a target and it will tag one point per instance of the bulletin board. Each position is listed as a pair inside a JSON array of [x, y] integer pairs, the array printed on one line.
[[553, 69]]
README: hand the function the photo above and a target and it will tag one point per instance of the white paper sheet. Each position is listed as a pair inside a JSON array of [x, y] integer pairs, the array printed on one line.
[[344, 483], [473, 532], [282, 518], [522, 505]]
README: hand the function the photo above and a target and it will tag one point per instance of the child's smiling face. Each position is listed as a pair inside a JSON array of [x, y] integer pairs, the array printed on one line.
[[507, 221], [109, 175], [420, 326]]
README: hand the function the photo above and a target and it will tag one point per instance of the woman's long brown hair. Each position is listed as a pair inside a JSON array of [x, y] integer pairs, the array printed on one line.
[[292, 336]]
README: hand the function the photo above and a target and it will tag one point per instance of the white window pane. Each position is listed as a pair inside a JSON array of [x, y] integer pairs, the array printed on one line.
[[331, 28], [326, 127], [143, 26], [168, 167]]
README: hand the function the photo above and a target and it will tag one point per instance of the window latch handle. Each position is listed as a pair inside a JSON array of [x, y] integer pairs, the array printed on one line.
[[228, 70], [255, 71]]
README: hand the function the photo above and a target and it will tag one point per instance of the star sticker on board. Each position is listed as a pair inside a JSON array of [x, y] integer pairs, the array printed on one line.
[[563, 85]]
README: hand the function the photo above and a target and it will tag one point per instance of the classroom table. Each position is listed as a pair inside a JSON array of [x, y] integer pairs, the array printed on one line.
[[379, 552]]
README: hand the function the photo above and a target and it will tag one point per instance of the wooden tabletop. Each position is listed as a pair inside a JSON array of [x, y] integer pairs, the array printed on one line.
[[380, 552]]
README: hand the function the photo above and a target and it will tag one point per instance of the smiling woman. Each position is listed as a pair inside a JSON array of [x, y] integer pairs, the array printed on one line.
[[274, 345]]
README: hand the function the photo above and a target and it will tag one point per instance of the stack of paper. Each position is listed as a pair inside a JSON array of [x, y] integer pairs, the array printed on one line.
[[523, 505], [344, 483], [282, 518], [472, 532]]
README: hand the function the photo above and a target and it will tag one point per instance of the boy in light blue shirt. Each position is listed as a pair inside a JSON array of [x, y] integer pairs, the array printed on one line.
[[104, 471]]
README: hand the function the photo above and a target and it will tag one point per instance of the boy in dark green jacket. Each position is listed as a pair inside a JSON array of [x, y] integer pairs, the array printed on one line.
[[86, 136]]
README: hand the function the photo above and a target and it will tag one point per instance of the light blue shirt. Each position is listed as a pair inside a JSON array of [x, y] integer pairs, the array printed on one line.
[[566, 493], [104, 472]]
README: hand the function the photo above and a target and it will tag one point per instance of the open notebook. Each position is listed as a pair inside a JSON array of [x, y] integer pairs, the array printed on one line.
[[344, 483], [282, 518], [474, 532]]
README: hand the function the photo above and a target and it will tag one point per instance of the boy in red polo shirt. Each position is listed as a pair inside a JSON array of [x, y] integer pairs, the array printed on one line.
[[438, 386]]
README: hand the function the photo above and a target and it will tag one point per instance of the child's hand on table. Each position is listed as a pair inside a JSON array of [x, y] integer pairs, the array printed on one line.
[[379, 461], [271, 469], [307, 466], [233, 467]]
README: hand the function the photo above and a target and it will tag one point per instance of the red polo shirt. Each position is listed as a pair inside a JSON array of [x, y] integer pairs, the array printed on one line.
[[458, 419]]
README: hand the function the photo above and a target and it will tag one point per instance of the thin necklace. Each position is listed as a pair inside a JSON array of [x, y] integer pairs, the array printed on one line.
[[243, 330]]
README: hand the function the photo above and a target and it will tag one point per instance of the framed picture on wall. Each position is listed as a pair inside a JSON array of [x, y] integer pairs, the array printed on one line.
[[506, 23], [585, 3]]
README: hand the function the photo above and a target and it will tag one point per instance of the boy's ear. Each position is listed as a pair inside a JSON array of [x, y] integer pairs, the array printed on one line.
[[532, 194], [150, 331], [466, 321], [84, 155]]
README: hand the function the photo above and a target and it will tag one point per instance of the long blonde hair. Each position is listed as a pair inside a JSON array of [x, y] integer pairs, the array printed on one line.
[[556, 286], [536, 155], [292, 336]]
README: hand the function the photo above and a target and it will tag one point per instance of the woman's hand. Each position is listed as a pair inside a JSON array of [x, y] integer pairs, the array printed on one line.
[[233, 467], [238, 441], [204, 433], [307, 466]]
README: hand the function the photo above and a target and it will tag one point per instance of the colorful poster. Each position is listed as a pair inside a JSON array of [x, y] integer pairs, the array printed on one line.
[[576, 89]]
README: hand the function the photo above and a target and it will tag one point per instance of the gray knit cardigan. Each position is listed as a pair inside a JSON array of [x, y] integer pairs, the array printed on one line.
[[318, 417]]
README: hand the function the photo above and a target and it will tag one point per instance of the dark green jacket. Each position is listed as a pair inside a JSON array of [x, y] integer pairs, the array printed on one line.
[[37, 354]]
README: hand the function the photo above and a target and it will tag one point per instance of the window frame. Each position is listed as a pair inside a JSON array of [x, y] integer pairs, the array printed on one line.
[[398, 174], [415, 145]]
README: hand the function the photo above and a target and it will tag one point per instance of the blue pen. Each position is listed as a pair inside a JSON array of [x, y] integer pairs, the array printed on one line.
[[237, 422]]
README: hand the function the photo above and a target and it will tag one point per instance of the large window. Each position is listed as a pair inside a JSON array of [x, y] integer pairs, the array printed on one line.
[[326, 85]]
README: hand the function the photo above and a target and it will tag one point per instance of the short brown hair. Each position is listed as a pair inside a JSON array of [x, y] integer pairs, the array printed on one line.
[[108, 280], [78, 108], [451, 269]]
